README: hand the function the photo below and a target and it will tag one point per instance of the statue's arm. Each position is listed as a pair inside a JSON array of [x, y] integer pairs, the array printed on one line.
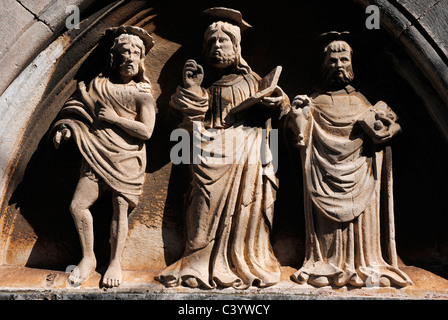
[[193, 75], [190, 99], [79, 101], [147, 115]]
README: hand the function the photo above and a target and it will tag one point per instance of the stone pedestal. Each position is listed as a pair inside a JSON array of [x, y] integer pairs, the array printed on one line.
[[21, 283]]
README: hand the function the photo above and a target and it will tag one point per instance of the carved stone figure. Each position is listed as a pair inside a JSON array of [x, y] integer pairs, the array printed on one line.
[[230, 206], [109, 118], [347, 173]]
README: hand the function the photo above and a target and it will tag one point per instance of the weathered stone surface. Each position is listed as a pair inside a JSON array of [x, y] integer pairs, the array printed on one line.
[[423, 39], [55, 13], [36, 6], [434, 21], [13, 22], [23, 94], [409, 74], [417, 8], [351, 236], [230, 206], [39, 284], [21, 37]]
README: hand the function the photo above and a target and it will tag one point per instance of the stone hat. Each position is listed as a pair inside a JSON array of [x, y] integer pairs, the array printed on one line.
[[147, 39], [227, 15]]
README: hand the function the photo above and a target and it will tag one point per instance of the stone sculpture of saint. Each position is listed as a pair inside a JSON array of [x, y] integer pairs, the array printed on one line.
[[230, 206], [110, 118], [347, 174]]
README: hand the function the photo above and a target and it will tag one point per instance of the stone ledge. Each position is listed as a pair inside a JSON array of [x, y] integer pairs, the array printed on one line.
[[21, 283]]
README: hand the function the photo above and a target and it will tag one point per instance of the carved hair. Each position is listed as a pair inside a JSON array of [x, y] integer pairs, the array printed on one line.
[[234, 33], [338, 46], [136, 41]]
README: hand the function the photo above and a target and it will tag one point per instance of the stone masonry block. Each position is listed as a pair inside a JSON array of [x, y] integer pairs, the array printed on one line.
[[21, 51]]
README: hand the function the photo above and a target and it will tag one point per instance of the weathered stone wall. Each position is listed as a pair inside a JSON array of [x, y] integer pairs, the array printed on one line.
[[404, 63]]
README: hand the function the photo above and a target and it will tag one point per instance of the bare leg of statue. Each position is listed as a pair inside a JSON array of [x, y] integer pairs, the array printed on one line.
[[118, 235], [86, 193]]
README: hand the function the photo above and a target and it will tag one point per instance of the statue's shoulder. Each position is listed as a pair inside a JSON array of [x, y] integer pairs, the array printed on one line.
[[255, 76], [144, 95], [357, 97], [144, 87], [320, 96], [251, 77]]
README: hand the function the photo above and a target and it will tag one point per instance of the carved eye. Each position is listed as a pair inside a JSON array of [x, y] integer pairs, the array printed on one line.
[[125, 51], [212, 41]]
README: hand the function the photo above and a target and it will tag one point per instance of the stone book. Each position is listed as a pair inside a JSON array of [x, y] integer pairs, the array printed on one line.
[[267, 87]]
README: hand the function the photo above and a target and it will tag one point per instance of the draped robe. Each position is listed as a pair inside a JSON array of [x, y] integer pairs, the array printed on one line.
[[117, 158], [348, 195], [230, 207]]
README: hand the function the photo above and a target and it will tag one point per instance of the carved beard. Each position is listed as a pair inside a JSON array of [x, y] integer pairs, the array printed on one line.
[[124, 70], [335, 78], [221, 59]]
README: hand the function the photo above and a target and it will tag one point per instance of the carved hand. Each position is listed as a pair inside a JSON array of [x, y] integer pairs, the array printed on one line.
[[386, 118], [301, 101], [193, 74], [273, 102], [61, 135], [380, 123], [107, 114], [384, 130]]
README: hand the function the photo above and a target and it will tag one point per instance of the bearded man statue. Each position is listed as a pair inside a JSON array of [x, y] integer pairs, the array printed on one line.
[[230, 205], [110, 118], [350, 236]]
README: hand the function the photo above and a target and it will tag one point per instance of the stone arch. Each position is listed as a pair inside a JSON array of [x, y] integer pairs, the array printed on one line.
[[42, 78], [419, 28]]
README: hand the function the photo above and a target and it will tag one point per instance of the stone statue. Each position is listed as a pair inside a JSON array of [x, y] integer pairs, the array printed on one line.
[[110, 118], [347, 174], [230, 205]]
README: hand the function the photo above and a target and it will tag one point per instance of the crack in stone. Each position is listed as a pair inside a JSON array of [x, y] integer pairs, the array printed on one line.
[[34, 15], [427, 10]]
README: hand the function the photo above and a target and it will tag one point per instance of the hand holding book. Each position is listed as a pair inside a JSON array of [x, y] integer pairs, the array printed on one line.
[[268, 86]]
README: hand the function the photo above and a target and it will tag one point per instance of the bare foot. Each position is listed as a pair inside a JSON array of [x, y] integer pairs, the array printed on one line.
[[82, 271], [191, 282], [113, 276]]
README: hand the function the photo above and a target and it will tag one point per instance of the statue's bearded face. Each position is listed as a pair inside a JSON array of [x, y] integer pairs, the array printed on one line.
[[221, 51], [337, 68], [127, 59]]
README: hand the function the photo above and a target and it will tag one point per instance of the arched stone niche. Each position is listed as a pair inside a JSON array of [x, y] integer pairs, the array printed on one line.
[[403, 63]]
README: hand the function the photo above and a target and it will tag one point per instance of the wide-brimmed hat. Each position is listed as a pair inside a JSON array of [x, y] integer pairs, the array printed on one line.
[[227, 15]]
